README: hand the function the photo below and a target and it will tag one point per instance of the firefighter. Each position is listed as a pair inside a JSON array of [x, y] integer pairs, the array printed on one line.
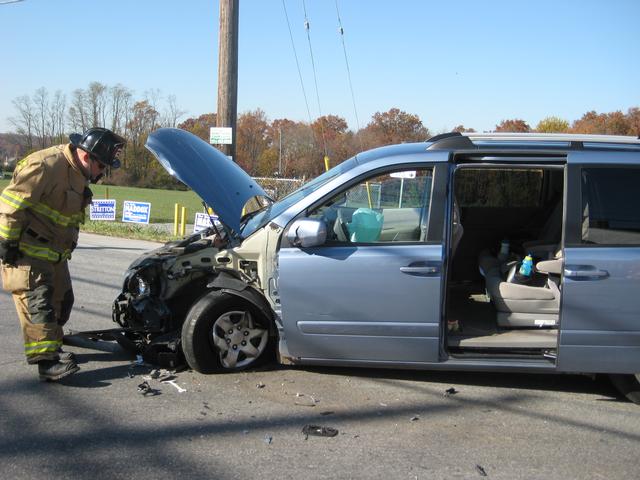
[[40, 214]]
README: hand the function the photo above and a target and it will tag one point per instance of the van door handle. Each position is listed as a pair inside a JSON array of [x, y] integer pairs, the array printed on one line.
[[421, 269], [584, 272]]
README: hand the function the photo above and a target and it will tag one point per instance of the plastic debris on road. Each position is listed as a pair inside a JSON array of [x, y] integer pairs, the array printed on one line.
[[145, 389], [318, 431], [178, 387], [481, 471], [305, 400], [450, 391]]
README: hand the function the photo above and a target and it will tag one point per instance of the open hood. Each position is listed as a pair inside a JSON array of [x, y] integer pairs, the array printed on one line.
[[220, 182]]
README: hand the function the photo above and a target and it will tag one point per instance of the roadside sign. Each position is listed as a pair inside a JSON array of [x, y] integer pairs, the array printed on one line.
[[136, 212], [201, 222], [220, 136], [102, 210]]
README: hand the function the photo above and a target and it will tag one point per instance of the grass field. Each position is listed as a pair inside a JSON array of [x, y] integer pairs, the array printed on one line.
[[162, 201]]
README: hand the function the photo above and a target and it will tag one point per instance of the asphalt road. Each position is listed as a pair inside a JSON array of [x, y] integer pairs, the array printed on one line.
[[391, 424]]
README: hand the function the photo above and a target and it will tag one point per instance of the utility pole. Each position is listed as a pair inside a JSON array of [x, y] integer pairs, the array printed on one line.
[[227, 114]]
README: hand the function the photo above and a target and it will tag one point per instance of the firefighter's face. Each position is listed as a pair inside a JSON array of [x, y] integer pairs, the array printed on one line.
[[92, 166]]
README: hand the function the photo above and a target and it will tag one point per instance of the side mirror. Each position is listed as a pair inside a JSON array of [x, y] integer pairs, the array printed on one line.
[[307, 232]]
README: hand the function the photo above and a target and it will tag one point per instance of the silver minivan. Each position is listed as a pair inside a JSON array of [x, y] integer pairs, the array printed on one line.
[[504, 252]]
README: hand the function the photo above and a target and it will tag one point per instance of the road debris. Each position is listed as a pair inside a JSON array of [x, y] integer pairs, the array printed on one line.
[[450, 391], [145, 389], [178, 387], [415, 418], [161, 375], [260, 385], [328, 412], [318, 431], [305, 400], [481, 471], [268, 439]]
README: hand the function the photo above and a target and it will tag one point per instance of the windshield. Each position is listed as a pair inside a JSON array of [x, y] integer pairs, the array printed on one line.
[[259, 220]]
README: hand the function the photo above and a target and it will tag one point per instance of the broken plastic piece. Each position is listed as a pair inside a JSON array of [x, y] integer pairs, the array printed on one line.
[[450, 391], [305, 400], [178, 387], [481, 471], [318, 431], [145, 389]]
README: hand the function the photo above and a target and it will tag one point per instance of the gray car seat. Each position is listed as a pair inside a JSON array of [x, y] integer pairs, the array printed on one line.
[[543, 248], [521, 305]]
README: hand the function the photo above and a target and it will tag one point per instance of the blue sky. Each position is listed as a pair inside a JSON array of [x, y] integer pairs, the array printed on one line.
[[465, 62]]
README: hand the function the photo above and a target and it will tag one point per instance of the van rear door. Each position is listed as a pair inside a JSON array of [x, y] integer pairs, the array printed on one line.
[[600, 323]]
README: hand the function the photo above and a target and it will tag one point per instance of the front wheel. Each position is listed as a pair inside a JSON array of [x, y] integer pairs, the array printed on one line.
[[224, 333], [628, 385]]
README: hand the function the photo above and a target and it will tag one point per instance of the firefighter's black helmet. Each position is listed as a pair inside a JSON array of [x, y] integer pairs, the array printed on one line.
[[101, 144]]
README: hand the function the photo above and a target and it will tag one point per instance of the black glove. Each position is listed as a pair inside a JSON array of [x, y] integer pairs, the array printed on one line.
[[9, 252]]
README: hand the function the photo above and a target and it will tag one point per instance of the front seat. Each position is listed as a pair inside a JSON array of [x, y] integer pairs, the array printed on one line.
[[534, 305]]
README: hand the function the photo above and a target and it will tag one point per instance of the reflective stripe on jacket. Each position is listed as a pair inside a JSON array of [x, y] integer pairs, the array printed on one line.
[[44, 204]]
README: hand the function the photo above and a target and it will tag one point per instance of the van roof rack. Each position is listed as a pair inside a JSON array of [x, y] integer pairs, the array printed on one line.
[[468, 140], [551, 137]]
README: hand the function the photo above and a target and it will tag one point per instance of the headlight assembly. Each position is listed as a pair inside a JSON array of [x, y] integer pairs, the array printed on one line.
[[140, 286]]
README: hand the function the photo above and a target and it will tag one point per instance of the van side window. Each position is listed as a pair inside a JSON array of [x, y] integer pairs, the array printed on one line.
[[386, 208], [611, 206]]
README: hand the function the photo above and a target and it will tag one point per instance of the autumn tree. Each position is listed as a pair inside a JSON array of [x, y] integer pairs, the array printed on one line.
[[199, 126], [119, 101], [614, 123], [633, 117], [24, 121], [462, 129], [514, 125], [57, 117], [78, 116], [332, 133], [394, 126], [251, 139], [142, 122], [552, 125]]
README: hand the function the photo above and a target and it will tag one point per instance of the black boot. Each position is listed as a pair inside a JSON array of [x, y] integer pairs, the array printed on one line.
[[66, 357], [54, 370]]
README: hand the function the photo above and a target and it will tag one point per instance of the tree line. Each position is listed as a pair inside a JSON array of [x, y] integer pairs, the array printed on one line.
[[264, 147]]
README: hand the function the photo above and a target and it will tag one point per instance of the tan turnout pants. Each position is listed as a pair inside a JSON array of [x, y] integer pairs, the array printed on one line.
[[43, 297]]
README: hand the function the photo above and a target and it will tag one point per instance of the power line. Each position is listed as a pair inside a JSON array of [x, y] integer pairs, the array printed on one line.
[[315, 77], [295, 54], [346, 61]]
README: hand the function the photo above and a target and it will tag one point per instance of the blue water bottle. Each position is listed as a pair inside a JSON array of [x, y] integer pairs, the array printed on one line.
[[527, 266]]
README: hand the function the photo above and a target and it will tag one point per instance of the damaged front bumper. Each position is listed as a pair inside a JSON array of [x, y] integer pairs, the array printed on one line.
[[147, 325]]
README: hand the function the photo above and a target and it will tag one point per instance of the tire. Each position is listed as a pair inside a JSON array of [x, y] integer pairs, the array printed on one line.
[[224, 333], [628, 385]]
